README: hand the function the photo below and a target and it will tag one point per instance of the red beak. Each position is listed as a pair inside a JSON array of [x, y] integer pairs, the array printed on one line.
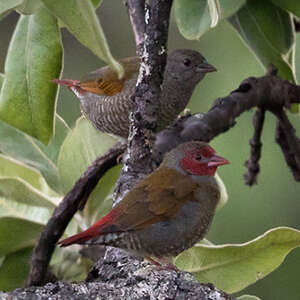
[[68, 82], [217, 160]]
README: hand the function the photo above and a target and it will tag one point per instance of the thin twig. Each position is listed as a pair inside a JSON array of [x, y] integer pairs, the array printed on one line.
[[74, 199], [252, 163]]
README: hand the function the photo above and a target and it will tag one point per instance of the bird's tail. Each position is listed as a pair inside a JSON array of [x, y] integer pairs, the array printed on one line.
[[79, 238], [102, 226]]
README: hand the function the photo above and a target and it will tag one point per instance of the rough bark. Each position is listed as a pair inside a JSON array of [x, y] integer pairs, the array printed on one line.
[[121, 277]]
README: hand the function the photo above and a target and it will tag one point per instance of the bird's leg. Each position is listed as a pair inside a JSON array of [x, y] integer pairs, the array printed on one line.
[[162, 263]]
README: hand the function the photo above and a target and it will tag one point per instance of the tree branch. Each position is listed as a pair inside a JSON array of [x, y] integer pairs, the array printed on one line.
[[63, 213], [268, 92], [252, 163], [136, 10], [124, 278], [138, 161]]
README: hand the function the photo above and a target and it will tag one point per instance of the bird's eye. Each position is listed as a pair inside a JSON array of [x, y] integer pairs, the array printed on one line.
[[186, 62], [198, 157]]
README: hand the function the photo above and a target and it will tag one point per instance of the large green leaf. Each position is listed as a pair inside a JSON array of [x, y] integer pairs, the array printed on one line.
[[229, 7], [20, 224], [29, 7], [17, 234], [81, 147], [192, 17], [233, 267], [15, 269], [269, 31], [195, 17], [7, 5], [28, 96], [289, 5], [33, 153], [20, 211], [19, 190], [10, 167], [81, 20]]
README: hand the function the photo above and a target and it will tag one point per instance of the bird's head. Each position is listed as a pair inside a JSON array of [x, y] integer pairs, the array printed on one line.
[[186, 64], [194, 158]]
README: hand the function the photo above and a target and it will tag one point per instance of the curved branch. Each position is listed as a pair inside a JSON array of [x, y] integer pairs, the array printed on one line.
[[75, 199], [268, 92]]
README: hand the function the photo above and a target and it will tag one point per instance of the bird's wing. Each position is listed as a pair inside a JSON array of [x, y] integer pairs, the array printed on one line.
[[156, 198], [105, 81]]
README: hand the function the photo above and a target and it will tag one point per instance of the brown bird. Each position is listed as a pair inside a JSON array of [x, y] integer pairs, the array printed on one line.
[[105, 99], [165, 213]]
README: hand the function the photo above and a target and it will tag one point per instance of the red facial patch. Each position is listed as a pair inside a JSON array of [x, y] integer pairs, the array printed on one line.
[[195, 162]]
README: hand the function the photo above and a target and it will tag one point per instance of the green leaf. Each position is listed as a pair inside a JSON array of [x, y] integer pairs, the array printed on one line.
[[195, 17], [10, 167], [288, 5], [1, 80], [8, 5], [15, 269], [233, 267], [53, 148], [28, 96], [269, 31], [29, 7], [17, 189], [81, 147], [229, 7], [21, 211], [248, 297], [96, 3], [17, 234], [33, 153], [215, 11], [192, 17], [81, 20]]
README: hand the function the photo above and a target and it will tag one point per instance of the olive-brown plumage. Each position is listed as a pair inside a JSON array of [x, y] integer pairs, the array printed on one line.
[[168, 211], [106, 100]]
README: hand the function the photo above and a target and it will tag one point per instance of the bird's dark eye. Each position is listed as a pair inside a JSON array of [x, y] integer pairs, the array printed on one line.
[[198, 157], [186, 62]]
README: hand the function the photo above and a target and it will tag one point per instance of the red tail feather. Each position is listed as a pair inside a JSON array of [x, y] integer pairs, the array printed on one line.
[[93, 231]]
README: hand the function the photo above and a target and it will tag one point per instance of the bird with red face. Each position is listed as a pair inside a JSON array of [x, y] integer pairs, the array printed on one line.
[[165, 213]]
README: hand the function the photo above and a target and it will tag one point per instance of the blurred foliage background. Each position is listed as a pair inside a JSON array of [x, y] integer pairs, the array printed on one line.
[[250, 211]]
